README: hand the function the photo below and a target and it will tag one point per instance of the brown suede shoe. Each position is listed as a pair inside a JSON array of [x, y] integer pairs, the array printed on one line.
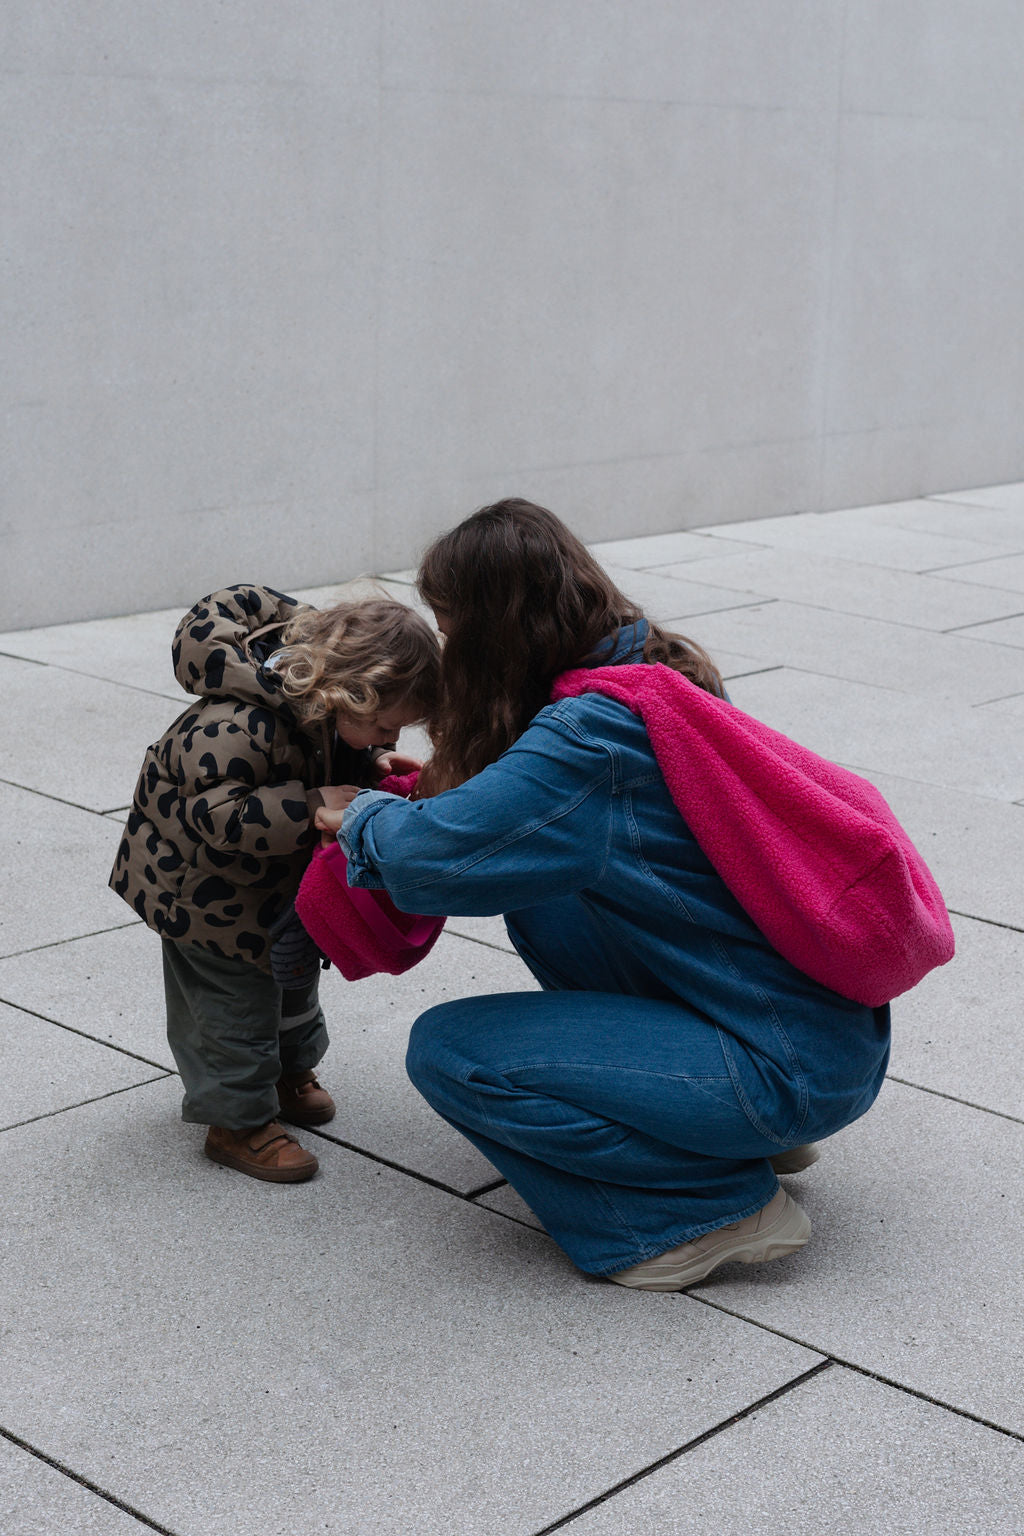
[[264, 1152], [303, 1101]]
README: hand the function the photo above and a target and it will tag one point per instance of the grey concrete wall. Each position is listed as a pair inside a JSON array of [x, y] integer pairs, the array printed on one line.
[[288, 289]]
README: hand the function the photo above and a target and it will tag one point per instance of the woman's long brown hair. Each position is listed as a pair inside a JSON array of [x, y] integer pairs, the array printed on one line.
[[522, 600]]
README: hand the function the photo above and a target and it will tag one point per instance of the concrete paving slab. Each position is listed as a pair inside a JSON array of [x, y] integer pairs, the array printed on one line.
[[1007, 573], [917, 1210], [1006, 498], [108, 985], [38, 1500], [874, 730], [958, 1032], [54, 864], [111, 988], [80, 739], [365, 1350], [974, 846], [369, 1021], [1011, 708], [862, 650], [46, 1069], [838, 1455], [659, 550], [668, 598], [507, 1202], [846, 586], [848, 536], [362, 587], [134, 650], [989, 525], [1008, 631]]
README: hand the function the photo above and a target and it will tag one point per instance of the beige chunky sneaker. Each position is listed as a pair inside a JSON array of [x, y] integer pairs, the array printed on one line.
[[779, 1228], [796, 1159]]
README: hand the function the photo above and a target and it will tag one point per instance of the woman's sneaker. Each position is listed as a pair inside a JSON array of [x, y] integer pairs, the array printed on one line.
[[779, 1228]]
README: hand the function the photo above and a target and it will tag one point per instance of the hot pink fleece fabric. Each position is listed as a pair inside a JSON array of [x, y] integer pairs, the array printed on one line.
[[362, 932], [811, 851]]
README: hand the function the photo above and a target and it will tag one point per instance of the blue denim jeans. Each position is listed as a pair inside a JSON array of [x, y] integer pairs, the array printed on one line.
[[628, 1121]]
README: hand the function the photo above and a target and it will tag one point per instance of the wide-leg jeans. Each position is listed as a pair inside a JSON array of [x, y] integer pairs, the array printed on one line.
[[627, 1119]]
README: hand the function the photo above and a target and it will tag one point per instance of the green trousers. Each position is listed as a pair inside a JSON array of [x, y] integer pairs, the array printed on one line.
[[233, 1033]]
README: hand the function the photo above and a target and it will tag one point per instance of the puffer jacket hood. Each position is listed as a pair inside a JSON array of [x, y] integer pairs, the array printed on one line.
[[221, 827], [211, 649]]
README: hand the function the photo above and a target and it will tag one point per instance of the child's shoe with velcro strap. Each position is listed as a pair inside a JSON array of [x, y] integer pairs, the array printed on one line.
[[303, 1101], [779, 1228], [263, 1152]]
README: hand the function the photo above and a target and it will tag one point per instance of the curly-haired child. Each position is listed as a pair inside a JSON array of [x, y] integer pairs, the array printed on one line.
[[290, 703]]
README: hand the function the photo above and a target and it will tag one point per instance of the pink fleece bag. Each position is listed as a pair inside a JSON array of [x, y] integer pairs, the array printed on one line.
[[361, 931], [811, 851]]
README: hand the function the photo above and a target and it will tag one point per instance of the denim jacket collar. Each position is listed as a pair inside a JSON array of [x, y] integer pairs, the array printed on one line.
[[625, 645]]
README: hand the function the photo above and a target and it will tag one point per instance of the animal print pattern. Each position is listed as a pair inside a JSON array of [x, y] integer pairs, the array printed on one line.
[[220, 831]]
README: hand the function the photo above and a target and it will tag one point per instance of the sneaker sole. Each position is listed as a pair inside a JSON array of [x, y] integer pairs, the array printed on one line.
[[268, 1175], [787, 1234]]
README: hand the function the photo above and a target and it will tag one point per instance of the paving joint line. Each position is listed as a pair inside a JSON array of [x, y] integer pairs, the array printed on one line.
[[96, 1099], [691, 1445], [953, 1098], [860, 1370], [35, 949], [993, 922], [84, 1035], [85, 1482], [76, 805]]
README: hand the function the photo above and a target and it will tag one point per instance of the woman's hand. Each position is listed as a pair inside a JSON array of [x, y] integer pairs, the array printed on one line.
[[395, 763], [337, 799]]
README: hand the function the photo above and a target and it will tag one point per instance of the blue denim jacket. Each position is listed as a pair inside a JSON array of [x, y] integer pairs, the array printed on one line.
[[577, 807]]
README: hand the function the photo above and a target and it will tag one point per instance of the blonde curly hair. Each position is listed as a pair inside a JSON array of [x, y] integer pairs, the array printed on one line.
[[360, 657]]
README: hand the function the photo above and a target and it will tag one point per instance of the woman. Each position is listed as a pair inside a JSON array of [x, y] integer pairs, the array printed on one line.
[[636, 1103]]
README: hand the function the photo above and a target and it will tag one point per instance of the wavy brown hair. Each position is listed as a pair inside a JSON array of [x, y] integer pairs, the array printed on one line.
[[360, 657], [522, 600]]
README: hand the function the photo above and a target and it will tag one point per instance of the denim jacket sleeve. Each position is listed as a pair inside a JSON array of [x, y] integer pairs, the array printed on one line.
[[532, 826]]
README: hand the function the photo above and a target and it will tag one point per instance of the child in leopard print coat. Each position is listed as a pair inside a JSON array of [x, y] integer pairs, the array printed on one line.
[[290, 704]]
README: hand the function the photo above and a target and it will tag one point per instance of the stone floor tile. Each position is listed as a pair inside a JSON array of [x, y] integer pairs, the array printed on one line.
[[911, 1272], [662, 549], [874, 730], [846, 536], [891, 1464], [988, 525], [1011, 708], [39, 1500], [365, 586], [846, 586], [1005, 498], [974, 846], [1008, 631], [134, 650], [109, 986], [45, 1068], [79, 739], [54, 865], [369, 1021], [958, 1032], [364, 1349], [731, 664], [862, 650], [668, 598], [1007, 573], [507, 1202]]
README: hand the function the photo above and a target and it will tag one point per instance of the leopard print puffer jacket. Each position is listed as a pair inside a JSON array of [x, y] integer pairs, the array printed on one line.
[[221, 830]]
